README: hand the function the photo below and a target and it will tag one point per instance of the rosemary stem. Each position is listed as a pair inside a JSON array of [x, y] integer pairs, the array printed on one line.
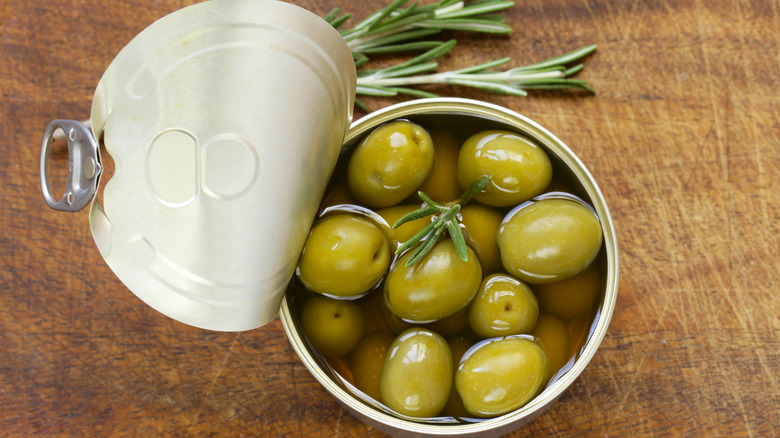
[[446, 77]]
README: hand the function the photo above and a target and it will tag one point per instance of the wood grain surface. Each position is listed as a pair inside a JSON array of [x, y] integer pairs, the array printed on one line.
[[683, 137]]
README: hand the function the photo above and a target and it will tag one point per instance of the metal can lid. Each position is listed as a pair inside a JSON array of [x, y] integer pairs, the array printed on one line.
[[224, 120]]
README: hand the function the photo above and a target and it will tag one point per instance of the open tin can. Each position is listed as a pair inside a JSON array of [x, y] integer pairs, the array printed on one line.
[[204, 113], [465, 117]]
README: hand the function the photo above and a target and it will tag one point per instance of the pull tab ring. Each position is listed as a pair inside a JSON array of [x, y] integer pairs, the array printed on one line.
[[84, 167]]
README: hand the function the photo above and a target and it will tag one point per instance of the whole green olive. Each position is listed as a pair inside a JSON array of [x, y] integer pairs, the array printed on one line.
[[333, 327], [520, 169], [390, 164], [549, 240], [500, 375], [435, 287], [344, 256], [368, 358], [417, 374], [481, 224], [503, 306], [553, 335], [442, 183], [570, 298]]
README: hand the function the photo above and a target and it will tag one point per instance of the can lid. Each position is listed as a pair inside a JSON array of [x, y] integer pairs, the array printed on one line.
[[224, 120]]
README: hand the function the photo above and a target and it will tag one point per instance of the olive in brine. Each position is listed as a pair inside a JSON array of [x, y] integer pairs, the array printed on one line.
[[503, 306], [435, 287], [553, 335], [442, 183], [344, 256], [333, 327], [417, 374], [368, 358], [570, 298], [481, 228], [390, 164], [520, 169], [501, 375], [549, 240]]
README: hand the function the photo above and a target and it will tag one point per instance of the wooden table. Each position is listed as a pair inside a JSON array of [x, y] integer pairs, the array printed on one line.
[[683, 138]]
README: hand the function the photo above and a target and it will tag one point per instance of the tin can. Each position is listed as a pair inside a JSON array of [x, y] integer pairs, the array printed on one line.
[[470, 116]]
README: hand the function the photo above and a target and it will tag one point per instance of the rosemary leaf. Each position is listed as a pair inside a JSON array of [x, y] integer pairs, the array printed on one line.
[[483, 66], [456, 234], [397, 38], [400, 48], [330, 16], [422, 250], [385, 12], [373, 90], [477, 9], [414, 215], [416, 238], [470, 25]]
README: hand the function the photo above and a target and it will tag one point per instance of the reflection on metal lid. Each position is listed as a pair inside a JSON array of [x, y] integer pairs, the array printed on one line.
[[225, 120]]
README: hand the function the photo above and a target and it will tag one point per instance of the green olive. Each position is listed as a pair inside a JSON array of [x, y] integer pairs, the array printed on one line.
[[520, 168], [435, 287], [417, 374], [481, 228], [500, 375], [368, 358], [553, 335], [344, 256], [333, 327], [570, 298], [549, 240], [407, 230], [390, 164], [442, 183], [503, 306]]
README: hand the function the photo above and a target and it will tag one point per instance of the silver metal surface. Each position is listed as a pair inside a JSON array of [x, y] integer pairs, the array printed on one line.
[[84, 167], [224, 121]]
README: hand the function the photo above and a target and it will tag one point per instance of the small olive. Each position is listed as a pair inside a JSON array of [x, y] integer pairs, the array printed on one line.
[[549, 240], [500, 375], [520, 169], [333, 327], [570, 298], [442, 183], [417, 374], [344, 255], [368, 358], [503, 306], [390, 164], [553, 335], [480, 225], [435, 287]]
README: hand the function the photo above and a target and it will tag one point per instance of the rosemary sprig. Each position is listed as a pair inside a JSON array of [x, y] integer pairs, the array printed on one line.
[[550, 74], [404, 27], [447, 219]]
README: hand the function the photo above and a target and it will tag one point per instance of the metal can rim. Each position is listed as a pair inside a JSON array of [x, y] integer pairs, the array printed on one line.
[[535, 407]]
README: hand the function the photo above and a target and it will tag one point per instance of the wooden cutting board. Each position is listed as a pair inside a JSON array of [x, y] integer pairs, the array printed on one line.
[[683, 137]]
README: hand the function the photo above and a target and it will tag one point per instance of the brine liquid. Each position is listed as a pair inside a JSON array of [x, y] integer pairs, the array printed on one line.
[[337, 200]]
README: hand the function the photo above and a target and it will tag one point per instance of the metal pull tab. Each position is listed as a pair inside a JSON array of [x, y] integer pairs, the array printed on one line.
[[84, 167]]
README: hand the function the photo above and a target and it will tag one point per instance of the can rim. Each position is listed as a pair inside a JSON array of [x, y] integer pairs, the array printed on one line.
[[470, 107]]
